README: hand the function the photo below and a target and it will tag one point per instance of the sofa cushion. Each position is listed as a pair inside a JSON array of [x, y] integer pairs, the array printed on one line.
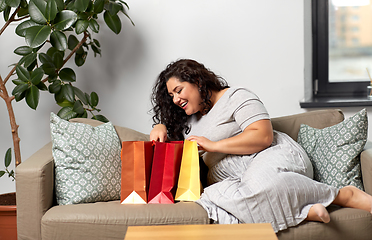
[[317, 119], [334, 151], [87, 161], [109, 220], [345, 224], [125, 134]]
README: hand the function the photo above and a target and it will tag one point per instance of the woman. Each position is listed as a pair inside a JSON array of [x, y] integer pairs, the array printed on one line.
[[255, 174]]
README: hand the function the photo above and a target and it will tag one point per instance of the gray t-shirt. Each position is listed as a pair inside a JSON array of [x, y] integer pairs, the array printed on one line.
[[233, 112]]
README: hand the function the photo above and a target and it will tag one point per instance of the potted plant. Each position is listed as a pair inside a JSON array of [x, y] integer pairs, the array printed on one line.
[[55, 31]]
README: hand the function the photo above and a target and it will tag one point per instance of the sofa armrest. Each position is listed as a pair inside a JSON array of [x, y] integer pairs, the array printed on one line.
[[34, 189], [366, 165]]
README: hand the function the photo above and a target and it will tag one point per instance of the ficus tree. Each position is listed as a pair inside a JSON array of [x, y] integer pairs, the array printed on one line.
[[55, 31]]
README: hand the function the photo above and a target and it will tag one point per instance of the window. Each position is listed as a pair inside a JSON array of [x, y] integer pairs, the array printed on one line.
[[342, 52]]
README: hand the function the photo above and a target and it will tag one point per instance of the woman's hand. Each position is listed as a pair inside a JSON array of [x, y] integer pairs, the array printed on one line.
[[204, 143], [159, 133]]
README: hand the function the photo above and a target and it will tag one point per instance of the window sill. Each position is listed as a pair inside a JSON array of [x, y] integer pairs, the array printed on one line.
[[323, 102]]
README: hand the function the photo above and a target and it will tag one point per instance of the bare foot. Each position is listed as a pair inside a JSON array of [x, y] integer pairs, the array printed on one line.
[[318, 213]]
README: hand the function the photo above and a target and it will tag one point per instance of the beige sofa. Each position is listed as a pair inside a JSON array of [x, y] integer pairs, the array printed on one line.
[[38, 216]]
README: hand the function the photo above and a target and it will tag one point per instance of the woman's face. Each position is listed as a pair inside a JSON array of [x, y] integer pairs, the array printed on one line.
[[185, 95]]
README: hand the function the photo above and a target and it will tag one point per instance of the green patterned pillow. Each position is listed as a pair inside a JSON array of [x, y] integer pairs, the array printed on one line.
[[334, 151], [87, 161]]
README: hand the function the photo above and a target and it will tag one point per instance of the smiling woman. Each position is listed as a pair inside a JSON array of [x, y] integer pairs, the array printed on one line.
[[252, 168]]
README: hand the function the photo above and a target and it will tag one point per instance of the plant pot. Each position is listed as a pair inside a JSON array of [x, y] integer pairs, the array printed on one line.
[[8, 217]]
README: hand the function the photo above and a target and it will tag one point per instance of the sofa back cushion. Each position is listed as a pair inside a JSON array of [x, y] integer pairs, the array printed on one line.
[[125, 134], [316, 119]]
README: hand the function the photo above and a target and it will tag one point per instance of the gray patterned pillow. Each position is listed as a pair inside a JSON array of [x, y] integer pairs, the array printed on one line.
[[334, 151], [87, 161]]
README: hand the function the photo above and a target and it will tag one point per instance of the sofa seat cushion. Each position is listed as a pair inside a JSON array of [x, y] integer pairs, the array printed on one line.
[[109, 220], [345, 224]]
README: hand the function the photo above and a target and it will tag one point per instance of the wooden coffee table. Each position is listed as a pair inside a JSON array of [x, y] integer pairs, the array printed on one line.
[[257, 231]]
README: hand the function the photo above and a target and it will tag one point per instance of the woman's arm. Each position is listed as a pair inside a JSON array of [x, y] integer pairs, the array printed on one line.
[[255, 138], [159, 133]]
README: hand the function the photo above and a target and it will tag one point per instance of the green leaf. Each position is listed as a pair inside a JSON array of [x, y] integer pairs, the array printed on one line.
[[80, 58], [11, 174], [65, 19], [100, 118], [67, 75], [2, 5], [72, 42], [94, 25], [44, 58], [83, 16], [94, 99], [32, 97], [78, 107], [68, 93], [23, 50], [52, 50], [29, 59], [2, 173], [114, 8], [99, 6], [124, 3], [88, 98], [22, 73], [24, 4], [81, 5], [96, 42], [84, 115], [37, 10], [60, 5], [80, 95], [13, 3], [58, 40], [96, 50], [65, 103], [19, 91], [32, 66], [42, 86], [81, 26], [67, 113], [37, 75], [37, 35], [8, 157], [55, 87], [58, 59], [22, 12], [22, 27], [18, 82], [6, 13], [49, 68], [51, 10], [113, 22]]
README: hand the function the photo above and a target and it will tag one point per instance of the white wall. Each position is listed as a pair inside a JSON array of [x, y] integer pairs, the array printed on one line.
[[255, 44]]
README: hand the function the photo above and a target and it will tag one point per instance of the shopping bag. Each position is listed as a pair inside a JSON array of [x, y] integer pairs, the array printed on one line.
[[188, 188], [136, 158], [166, 163]]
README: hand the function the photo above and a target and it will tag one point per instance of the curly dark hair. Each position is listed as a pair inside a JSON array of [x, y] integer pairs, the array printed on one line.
[[168, 113]]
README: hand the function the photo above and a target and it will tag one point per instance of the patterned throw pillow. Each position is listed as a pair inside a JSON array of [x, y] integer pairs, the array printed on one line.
[[87, 161], [334, 151]]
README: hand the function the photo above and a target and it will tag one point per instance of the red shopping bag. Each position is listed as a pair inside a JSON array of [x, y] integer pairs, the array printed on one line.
[[165, 170], [136, 158]]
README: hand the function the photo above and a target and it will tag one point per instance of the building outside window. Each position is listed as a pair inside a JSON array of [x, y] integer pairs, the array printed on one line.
[[342, 52]]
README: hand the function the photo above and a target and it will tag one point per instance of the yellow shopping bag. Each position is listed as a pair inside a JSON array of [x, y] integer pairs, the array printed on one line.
[[188, 188]]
